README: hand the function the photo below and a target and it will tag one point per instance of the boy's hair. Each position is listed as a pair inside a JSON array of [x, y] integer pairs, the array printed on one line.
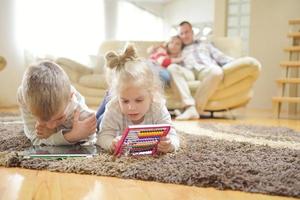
[[126, 68], [46, 89]]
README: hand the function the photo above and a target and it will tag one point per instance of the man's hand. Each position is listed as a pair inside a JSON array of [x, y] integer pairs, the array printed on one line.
[[81, 129], [165, 145], [177, 60], [42, 131]]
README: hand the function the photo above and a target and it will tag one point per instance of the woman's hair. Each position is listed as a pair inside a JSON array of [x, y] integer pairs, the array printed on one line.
[[126, 68], [46, 89]]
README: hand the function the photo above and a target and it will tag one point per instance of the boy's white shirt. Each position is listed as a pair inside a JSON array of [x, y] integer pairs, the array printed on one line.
[[114, 122], [57, 138]]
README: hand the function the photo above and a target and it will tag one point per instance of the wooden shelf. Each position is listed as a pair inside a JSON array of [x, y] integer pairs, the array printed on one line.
[[286, 99], [291, 96], [294, 35], [294, 21], [290, 64], [288, 80], [292, 49]]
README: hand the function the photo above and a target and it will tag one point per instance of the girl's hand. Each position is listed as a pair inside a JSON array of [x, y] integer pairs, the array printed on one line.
[[165, 145], [114, 143]]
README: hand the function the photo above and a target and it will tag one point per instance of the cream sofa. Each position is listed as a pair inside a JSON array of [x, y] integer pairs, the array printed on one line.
[[235, 90]]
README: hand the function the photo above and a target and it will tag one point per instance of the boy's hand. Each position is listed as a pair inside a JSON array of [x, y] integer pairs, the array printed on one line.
[[42, 131], [81, 129], [165, 145]]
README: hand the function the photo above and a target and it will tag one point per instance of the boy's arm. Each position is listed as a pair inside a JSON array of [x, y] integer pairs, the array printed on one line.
[[85, 114], [82, 130]]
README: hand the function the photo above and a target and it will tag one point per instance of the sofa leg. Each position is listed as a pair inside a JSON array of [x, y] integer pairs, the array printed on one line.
[[231, 115]]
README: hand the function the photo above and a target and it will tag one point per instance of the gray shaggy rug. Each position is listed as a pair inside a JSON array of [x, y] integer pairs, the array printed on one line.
[[236, 157]]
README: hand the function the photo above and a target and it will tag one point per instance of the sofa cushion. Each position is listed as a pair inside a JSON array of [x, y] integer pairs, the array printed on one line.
[[87, 91], [93, 102], [93, 81]]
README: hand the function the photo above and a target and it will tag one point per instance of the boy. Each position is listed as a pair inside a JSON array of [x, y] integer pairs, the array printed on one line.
[[54, 113]]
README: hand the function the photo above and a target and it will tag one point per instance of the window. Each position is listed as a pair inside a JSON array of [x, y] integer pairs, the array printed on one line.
[[60, 27], [238, 21], [137, 24]]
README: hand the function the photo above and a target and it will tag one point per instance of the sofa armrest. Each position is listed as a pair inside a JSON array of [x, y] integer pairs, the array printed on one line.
[[241, 68], [74, 69], [73, 65]]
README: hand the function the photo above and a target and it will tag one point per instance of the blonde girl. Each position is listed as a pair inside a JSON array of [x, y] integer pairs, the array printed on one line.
[[136, 98]]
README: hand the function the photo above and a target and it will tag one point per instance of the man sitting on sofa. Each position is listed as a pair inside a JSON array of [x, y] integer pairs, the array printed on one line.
[[200, 59]]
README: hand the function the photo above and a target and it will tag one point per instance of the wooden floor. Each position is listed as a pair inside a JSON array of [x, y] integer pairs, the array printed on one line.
[[17, 183]]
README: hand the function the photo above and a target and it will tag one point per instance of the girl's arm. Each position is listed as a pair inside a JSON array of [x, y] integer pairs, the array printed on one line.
[[109, 127], [162, 116]]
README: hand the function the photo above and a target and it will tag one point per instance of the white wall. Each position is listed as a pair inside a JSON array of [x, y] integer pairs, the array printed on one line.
[[268, 36], [194, 11], [111, 19], [10, 77], [220, 18], [152, 7]]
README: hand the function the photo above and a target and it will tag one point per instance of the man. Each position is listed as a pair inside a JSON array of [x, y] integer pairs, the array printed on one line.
[[201, 59]]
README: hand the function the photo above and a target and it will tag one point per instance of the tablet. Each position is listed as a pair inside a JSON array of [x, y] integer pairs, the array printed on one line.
[[64, 151], [141, 139]]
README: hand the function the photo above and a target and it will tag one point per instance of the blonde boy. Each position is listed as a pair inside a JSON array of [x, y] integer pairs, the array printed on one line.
[[54, 113]]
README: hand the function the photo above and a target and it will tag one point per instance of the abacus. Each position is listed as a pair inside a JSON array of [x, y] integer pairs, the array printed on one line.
[[141, 139]]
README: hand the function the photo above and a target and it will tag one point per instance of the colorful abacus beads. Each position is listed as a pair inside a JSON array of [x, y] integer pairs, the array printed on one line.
[[151, 133]]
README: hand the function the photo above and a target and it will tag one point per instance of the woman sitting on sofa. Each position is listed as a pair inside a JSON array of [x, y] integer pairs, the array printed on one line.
[[163, 55]]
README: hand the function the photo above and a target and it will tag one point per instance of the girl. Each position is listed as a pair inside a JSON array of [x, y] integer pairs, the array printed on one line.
[[169, 53], [137, 98]]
